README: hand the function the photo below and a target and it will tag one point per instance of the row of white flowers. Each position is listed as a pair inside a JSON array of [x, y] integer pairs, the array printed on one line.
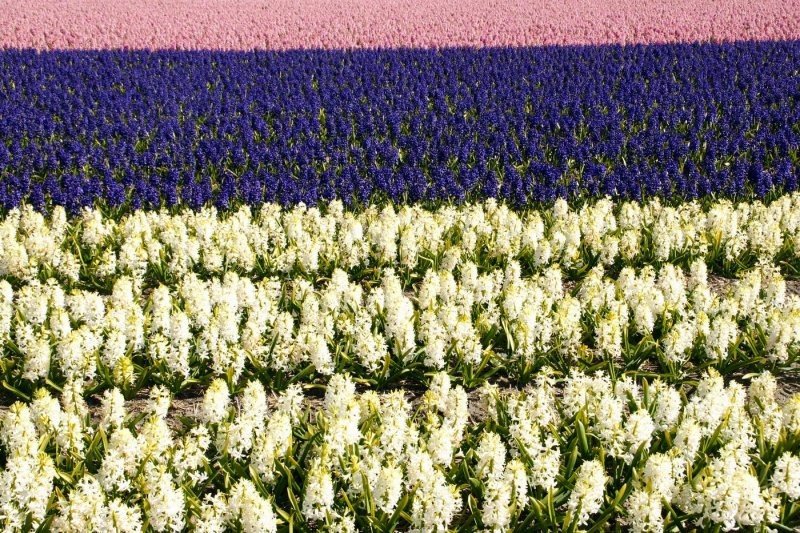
[[312, 239], [497, 317], [577, 451]]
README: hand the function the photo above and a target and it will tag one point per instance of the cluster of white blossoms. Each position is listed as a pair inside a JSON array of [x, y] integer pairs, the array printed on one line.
[[97, 310], [312, 240], [451, 317], [568, 450]]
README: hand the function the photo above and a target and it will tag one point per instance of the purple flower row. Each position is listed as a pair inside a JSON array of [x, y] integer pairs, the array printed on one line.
[[149, 129]]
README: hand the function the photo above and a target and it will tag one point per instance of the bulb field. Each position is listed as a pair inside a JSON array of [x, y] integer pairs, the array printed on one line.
[[418, 267]]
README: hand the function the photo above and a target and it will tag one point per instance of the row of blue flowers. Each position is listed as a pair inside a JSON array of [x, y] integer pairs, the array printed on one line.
[[147, 129]]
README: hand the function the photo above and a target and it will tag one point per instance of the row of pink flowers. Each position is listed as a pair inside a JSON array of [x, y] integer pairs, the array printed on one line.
[[287, 24]]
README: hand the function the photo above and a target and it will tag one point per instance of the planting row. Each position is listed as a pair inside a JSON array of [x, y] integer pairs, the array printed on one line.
[[247, 24], [93, 250], [523, 124], [581, 451], [475, 324]]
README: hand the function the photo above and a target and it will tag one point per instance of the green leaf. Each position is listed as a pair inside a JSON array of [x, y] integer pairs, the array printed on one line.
[[582, 438]]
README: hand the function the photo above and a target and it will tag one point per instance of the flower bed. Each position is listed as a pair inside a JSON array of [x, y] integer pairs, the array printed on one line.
[[480, 290], [526, 125], [564, 453], [292, 24]]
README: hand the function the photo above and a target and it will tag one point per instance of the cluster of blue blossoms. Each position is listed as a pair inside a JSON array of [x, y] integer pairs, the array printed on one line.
[[527, 125]]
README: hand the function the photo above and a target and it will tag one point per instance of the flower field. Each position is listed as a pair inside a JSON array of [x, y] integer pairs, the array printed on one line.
[[315, 24], [428, 267], [151, 129]]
